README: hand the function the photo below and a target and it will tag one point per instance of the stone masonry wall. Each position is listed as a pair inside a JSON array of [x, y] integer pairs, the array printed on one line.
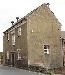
[[44, 28]]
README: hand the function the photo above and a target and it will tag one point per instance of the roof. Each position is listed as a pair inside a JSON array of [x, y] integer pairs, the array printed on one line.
[[15, 24], [25, 17]]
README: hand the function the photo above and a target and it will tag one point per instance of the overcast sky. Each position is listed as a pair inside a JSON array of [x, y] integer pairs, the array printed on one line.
[[10, 9]]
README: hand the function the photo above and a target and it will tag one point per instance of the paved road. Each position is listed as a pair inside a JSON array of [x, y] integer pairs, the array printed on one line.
[[15, 71]]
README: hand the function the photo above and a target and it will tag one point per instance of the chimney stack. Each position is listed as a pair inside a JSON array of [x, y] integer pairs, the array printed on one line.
[[12, 22], [17, 18], [47, 4]]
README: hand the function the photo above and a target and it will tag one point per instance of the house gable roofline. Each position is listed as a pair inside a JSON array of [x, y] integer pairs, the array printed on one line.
[[25, 17]]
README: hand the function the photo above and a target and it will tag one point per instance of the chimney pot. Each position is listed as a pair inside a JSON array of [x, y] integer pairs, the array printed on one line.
[[17, 18], [47, 4], [12, 22]]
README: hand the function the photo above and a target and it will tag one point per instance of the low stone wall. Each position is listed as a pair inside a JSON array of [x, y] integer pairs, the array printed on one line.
[[60, 70], [55, 71], [21, 64]]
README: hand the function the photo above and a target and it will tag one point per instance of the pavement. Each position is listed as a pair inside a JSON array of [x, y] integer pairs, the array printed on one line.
[[5, 70]]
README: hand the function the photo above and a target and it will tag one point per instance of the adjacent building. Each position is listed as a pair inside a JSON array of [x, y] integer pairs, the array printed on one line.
[[1, 57], [63, 45], [34, 40]]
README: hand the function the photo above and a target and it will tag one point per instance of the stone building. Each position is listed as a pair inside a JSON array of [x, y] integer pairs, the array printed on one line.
[[34, 40]]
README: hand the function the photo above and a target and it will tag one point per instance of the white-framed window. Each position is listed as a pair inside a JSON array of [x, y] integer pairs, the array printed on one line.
[[19, 54], [7, 54], [8, 36], [13, 39], [19, 31], [46, 49]]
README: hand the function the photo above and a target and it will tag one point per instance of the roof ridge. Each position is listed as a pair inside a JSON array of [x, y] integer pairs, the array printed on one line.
[[44, 4]]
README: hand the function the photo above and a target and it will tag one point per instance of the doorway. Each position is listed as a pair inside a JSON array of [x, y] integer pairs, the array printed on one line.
[[12, 59]]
